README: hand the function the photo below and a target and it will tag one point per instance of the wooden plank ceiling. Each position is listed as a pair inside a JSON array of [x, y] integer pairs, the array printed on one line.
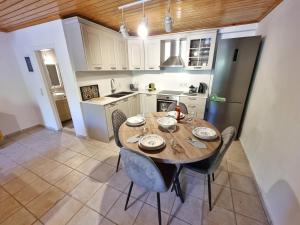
[[187, 14]]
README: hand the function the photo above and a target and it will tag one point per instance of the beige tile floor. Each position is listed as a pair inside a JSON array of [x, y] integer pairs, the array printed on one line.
[[49, 177]]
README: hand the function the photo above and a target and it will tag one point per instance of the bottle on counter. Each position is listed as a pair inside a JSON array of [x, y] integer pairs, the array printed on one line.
[[177, 109]]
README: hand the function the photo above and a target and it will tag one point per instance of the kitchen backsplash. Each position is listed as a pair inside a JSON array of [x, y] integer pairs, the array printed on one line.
[[164, 80]]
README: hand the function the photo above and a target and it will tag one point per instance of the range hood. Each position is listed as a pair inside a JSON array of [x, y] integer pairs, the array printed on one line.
[[171, 50]]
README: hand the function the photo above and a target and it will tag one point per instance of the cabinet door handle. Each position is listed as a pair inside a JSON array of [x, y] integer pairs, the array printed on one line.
[[124, 68], [151, 68], [192, 106], [113, 68], [137, 68], [125, 100], [98, 67], [148, 95], [198, 67], [192, 98]]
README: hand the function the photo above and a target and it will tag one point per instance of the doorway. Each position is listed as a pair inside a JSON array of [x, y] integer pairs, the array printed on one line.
[[55, 87]]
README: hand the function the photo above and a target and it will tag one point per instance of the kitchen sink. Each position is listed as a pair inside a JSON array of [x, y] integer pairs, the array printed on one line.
[[119, 94]]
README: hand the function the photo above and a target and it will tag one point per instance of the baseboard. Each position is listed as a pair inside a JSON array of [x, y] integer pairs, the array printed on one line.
[[23, 130], [261, 197]]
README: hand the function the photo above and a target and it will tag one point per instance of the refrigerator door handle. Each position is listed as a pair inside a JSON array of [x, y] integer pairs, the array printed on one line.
[[216, 98]]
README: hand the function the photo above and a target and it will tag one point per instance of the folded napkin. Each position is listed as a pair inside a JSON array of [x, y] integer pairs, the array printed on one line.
[[134, 138], [197, 144]]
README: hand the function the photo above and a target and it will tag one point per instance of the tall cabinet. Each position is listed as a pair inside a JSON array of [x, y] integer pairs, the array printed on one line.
[[93, 47]]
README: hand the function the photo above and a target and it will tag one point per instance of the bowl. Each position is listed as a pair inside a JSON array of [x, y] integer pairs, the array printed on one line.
[[166, 122]]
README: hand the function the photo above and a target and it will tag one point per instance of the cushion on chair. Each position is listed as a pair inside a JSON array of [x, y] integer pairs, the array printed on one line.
[[118, 118], [144, 172], [209, 165]]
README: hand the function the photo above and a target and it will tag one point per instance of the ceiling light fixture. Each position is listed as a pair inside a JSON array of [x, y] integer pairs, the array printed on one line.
[[168, 21], [123, 28], [143, 26]]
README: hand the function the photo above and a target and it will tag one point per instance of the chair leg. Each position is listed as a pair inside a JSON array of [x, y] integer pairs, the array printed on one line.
[[158, 208], [209, 191], [128, 196], [179, 190], [213, 176], [176, 177], [118, 162]]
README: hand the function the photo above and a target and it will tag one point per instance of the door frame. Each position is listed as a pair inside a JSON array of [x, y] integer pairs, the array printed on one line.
[[44, 73]]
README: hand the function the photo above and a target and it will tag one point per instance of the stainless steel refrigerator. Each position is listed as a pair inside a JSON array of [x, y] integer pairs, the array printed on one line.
[[233, 71]]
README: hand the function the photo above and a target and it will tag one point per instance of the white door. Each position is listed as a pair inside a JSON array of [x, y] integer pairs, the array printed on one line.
[[124, 107], [136, 54], [92, 44], [152, 54], [121, 49], [148, 103], [108, 51]]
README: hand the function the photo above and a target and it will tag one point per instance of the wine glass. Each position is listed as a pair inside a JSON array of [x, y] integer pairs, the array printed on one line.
[[171, 130], [192, 117]]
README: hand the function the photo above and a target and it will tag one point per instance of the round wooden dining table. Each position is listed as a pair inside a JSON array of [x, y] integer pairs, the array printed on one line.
[[183, 151]]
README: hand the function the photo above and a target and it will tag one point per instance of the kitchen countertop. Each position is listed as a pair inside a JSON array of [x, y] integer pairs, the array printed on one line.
[[107, 100]]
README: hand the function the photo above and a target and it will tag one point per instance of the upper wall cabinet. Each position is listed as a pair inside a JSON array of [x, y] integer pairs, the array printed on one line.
[[200, 50], [136, 54], [92, 42], [93, 47], [152, 54], [144, 55]]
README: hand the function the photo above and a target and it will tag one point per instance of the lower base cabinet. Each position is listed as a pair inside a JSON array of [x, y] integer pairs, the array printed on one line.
[[194, 104], [98, 118], [148, 103], [63, 110]]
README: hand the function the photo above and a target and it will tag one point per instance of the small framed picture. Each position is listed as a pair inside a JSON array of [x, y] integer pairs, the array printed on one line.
[[28, 63]]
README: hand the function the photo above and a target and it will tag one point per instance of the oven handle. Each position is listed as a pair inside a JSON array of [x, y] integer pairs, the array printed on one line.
[[168, 101]]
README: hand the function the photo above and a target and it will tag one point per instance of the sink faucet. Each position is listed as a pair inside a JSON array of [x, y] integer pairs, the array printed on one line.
[[112, 86]]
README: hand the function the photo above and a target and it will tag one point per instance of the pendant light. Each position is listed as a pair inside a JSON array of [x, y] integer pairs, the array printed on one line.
[[123, 28], [143, 26], [168, 21]]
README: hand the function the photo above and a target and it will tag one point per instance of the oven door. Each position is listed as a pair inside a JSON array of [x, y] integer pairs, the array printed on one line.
[[162, 105]]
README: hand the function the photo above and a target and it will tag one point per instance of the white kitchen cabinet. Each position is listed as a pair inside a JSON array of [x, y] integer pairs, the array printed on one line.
[[134, 105], [194, 104], [148, 103], [152, 54], [122, 56], [124, 106], [136, 54], [108, 112], [108, 51], [200, 50], [92, 45]]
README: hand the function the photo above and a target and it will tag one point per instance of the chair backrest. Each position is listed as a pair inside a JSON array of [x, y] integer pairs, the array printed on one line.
[[142, 171], [118, 118], [227, 135], [182, 106]]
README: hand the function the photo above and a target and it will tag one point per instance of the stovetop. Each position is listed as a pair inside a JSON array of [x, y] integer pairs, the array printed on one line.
[[169, 92]]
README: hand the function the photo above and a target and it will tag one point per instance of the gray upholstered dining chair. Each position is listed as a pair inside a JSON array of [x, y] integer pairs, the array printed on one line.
[[210, 165], [118, 118], [183, 107], [153, 176]]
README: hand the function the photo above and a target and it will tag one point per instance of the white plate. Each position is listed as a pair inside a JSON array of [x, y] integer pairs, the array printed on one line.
[[174, 114], [135, 120], [152, 142], [166, 122], [205, 133]]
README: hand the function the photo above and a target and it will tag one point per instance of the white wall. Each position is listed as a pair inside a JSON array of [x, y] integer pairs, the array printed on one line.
[[17, 109], [271, 130], [48, 35]]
